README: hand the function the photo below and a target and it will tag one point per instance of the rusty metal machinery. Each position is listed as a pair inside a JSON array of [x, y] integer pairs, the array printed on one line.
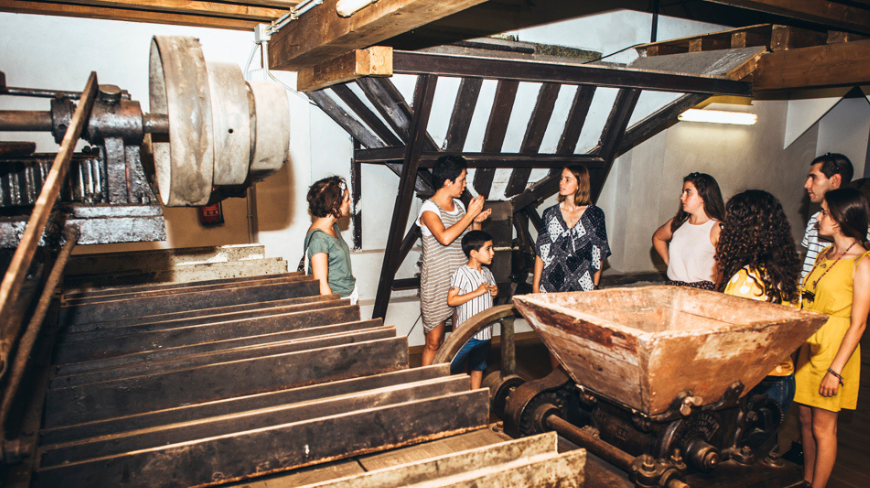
[[210, 135], [653, 382]]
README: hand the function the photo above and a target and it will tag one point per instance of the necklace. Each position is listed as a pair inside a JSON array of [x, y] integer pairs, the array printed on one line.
[[811, 295]]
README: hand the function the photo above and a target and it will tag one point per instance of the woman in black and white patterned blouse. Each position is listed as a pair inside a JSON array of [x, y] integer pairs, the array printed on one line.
[[572, 243]]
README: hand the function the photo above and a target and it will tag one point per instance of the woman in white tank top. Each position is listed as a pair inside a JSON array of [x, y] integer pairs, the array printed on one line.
[[687, 242]]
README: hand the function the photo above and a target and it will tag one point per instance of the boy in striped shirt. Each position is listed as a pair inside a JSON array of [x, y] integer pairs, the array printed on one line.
[[472, 289]]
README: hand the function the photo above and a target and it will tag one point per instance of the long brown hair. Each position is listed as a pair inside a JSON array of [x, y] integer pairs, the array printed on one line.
[[709, 192], [582, 195], [848, 207], [756, 233]]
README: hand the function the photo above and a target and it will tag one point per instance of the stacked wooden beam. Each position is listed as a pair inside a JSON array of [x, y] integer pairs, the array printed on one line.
[[169, 385], [222, 381]]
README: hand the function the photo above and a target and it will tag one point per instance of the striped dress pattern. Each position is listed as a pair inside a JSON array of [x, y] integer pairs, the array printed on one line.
[[467, 280], [439, 264]]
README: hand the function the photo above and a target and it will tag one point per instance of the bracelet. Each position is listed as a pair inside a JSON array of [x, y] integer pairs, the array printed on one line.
[[836, 375]]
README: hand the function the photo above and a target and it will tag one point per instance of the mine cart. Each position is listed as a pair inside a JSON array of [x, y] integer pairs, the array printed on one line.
[[655, 381]]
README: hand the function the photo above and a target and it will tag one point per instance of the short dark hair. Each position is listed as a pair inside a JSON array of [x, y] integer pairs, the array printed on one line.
[[835, 164], [326, 196], [848, 207], [473, 241], [447, 168]]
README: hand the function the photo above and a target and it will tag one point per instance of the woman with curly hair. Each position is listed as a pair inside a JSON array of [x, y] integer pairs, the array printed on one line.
[[758, 256], [327, 252], [687, 242]]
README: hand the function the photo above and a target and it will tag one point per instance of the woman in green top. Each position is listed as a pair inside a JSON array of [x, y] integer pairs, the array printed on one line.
[[328, 254]]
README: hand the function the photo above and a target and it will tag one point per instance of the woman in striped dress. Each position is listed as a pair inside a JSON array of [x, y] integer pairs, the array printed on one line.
[[443, 220]]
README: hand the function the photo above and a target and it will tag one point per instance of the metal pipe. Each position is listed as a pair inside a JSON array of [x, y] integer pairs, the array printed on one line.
[[605, 451], [35, 92], [25, 345], [156, 123], [25, 120]]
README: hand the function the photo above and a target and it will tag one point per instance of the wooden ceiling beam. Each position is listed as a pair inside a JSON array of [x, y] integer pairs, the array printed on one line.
[[843, 16], [536, 71], [842, 64], [216, 9], [84, 11], [320, 34], [374, 61]]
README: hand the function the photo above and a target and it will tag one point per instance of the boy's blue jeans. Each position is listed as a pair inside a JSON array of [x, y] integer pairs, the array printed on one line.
[[778, 388], [475, 351]]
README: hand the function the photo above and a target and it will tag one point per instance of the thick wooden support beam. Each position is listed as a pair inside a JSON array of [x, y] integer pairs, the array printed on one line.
[[127, 14], [240, 404], [233, 424], [132, 307], [321, 34], [843, 64], [390, 103], [496, 129], [357, 130], [617, 121], [847, 16], [374, 61], [537, 71], [576, 119], [424, 93], [118, 345], [242, 308], [614, 132], [117, 398], [193, 7], [282, 447], [463, 111], [482, 160], [534, 135], [167, 364], [784, 37], [366, 115], [211, 346]]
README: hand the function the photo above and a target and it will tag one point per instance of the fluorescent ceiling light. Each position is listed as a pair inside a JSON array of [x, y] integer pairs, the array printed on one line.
[[718, 117], [346, 8]]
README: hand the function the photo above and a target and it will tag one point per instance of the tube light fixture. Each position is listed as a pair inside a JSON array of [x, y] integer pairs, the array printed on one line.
[[346, 8], [718, 117]]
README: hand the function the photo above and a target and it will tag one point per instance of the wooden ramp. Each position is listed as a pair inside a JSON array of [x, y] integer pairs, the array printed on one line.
[[228, 380]]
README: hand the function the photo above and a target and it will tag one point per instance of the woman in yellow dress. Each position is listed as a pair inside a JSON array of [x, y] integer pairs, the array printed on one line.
[[829, 363], [757, 259]]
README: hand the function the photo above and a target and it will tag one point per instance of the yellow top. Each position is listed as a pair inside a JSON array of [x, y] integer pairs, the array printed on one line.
[[833, 296], [747, 283]]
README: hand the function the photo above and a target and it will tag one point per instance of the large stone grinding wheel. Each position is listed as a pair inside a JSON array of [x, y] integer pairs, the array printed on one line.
[[223, 132]]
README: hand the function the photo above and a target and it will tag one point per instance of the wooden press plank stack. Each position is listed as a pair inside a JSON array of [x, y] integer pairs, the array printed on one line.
[[223, 380]]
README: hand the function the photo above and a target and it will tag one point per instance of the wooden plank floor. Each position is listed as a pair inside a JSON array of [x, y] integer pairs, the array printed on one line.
[[853, 461]]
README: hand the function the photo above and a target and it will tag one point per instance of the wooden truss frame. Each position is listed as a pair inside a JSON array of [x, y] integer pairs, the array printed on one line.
[[403, 144]]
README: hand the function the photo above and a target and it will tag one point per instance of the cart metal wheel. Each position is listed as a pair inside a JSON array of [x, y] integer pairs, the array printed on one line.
[[500, 383]]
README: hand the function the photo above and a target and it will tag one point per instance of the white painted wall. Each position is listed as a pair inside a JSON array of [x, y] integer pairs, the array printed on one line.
[[640, 194]]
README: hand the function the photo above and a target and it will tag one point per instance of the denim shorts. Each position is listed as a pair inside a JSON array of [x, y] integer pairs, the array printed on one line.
[[475, 351], [778, 388]]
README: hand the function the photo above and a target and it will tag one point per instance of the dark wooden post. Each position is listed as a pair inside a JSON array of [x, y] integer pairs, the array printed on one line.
[[423, 95]]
